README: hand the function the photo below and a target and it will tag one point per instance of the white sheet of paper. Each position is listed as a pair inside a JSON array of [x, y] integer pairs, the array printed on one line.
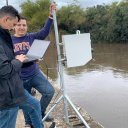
[[77, 49]]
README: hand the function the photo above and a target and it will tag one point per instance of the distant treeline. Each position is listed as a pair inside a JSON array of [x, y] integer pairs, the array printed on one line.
[[106, 23]]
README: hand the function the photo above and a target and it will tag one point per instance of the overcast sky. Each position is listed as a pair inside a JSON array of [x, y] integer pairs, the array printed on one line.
[[86, 3], [83, 3]]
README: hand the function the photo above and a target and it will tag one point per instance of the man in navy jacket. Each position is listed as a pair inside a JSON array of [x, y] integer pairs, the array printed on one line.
[[11, 88], [12, 93]]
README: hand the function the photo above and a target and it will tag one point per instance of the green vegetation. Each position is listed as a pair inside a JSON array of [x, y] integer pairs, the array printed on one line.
[[106, 23]]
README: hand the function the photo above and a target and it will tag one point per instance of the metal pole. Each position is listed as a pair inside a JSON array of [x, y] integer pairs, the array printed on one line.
[[7, 2], [60, 66], [77, 112]]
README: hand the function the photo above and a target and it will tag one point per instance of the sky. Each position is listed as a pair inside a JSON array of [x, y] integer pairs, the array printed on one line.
[[86, 3], [83, 3]]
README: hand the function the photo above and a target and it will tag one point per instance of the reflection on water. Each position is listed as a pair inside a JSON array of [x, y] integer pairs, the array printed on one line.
[[106, 56], [101, 86]]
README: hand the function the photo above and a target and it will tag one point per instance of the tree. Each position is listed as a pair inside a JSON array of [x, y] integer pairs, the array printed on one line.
[[36, 13], [105, 23], [71, 18]]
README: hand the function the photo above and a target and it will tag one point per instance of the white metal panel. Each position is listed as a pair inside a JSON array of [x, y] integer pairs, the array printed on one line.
[[77, 49]]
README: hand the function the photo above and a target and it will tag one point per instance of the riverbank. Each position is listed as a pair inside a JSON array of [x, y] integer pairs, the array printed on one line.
[[58, 115]]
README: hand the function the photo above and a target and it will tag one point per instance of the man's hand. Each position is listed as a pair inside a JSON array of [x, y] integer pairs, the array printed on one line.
[[21, 57], [52, 8]]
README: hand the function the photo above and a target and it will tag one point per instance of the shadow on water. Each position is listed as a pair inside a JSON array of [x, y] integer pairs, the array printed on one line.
[[101, 86]]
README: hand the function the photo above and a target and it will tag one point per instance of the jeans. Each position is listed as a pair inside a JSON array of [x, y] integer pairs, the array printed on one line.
[[40, 83], [32, 111], [8, 117]]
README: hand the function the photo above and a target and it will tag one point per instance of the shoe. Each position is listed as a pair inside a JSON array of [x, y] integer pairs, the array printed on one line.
[[53, 125], [49, 119], [28, 126]]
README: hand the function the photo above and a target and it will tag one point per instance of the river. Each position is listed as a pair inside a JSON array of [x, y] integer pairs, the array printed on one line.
[[101, 86]]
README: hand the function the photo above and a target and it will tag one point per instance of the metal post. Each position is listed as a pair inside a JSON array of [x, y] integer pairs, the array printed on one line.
[[60, 66], [7, 2]]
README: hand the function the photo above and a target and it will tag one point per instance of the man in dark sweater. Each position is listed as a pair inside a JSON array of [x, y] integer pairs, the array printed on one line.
[[12, 93], [30, 73], [11, 87]]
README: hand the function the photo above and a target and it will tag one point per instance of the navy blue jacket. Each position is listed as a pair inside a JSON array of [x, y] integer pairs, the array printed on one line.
[[11, 86], [22, 44]]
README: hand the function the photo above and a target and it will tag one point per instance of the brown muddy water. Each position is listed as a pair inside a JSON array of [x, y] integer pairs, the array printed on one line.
[[101, 86]]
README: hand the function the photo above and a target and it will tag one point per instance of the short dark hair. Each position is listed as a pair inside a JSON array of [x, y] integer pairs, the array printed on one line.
[[9, 10], [23, 18]]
